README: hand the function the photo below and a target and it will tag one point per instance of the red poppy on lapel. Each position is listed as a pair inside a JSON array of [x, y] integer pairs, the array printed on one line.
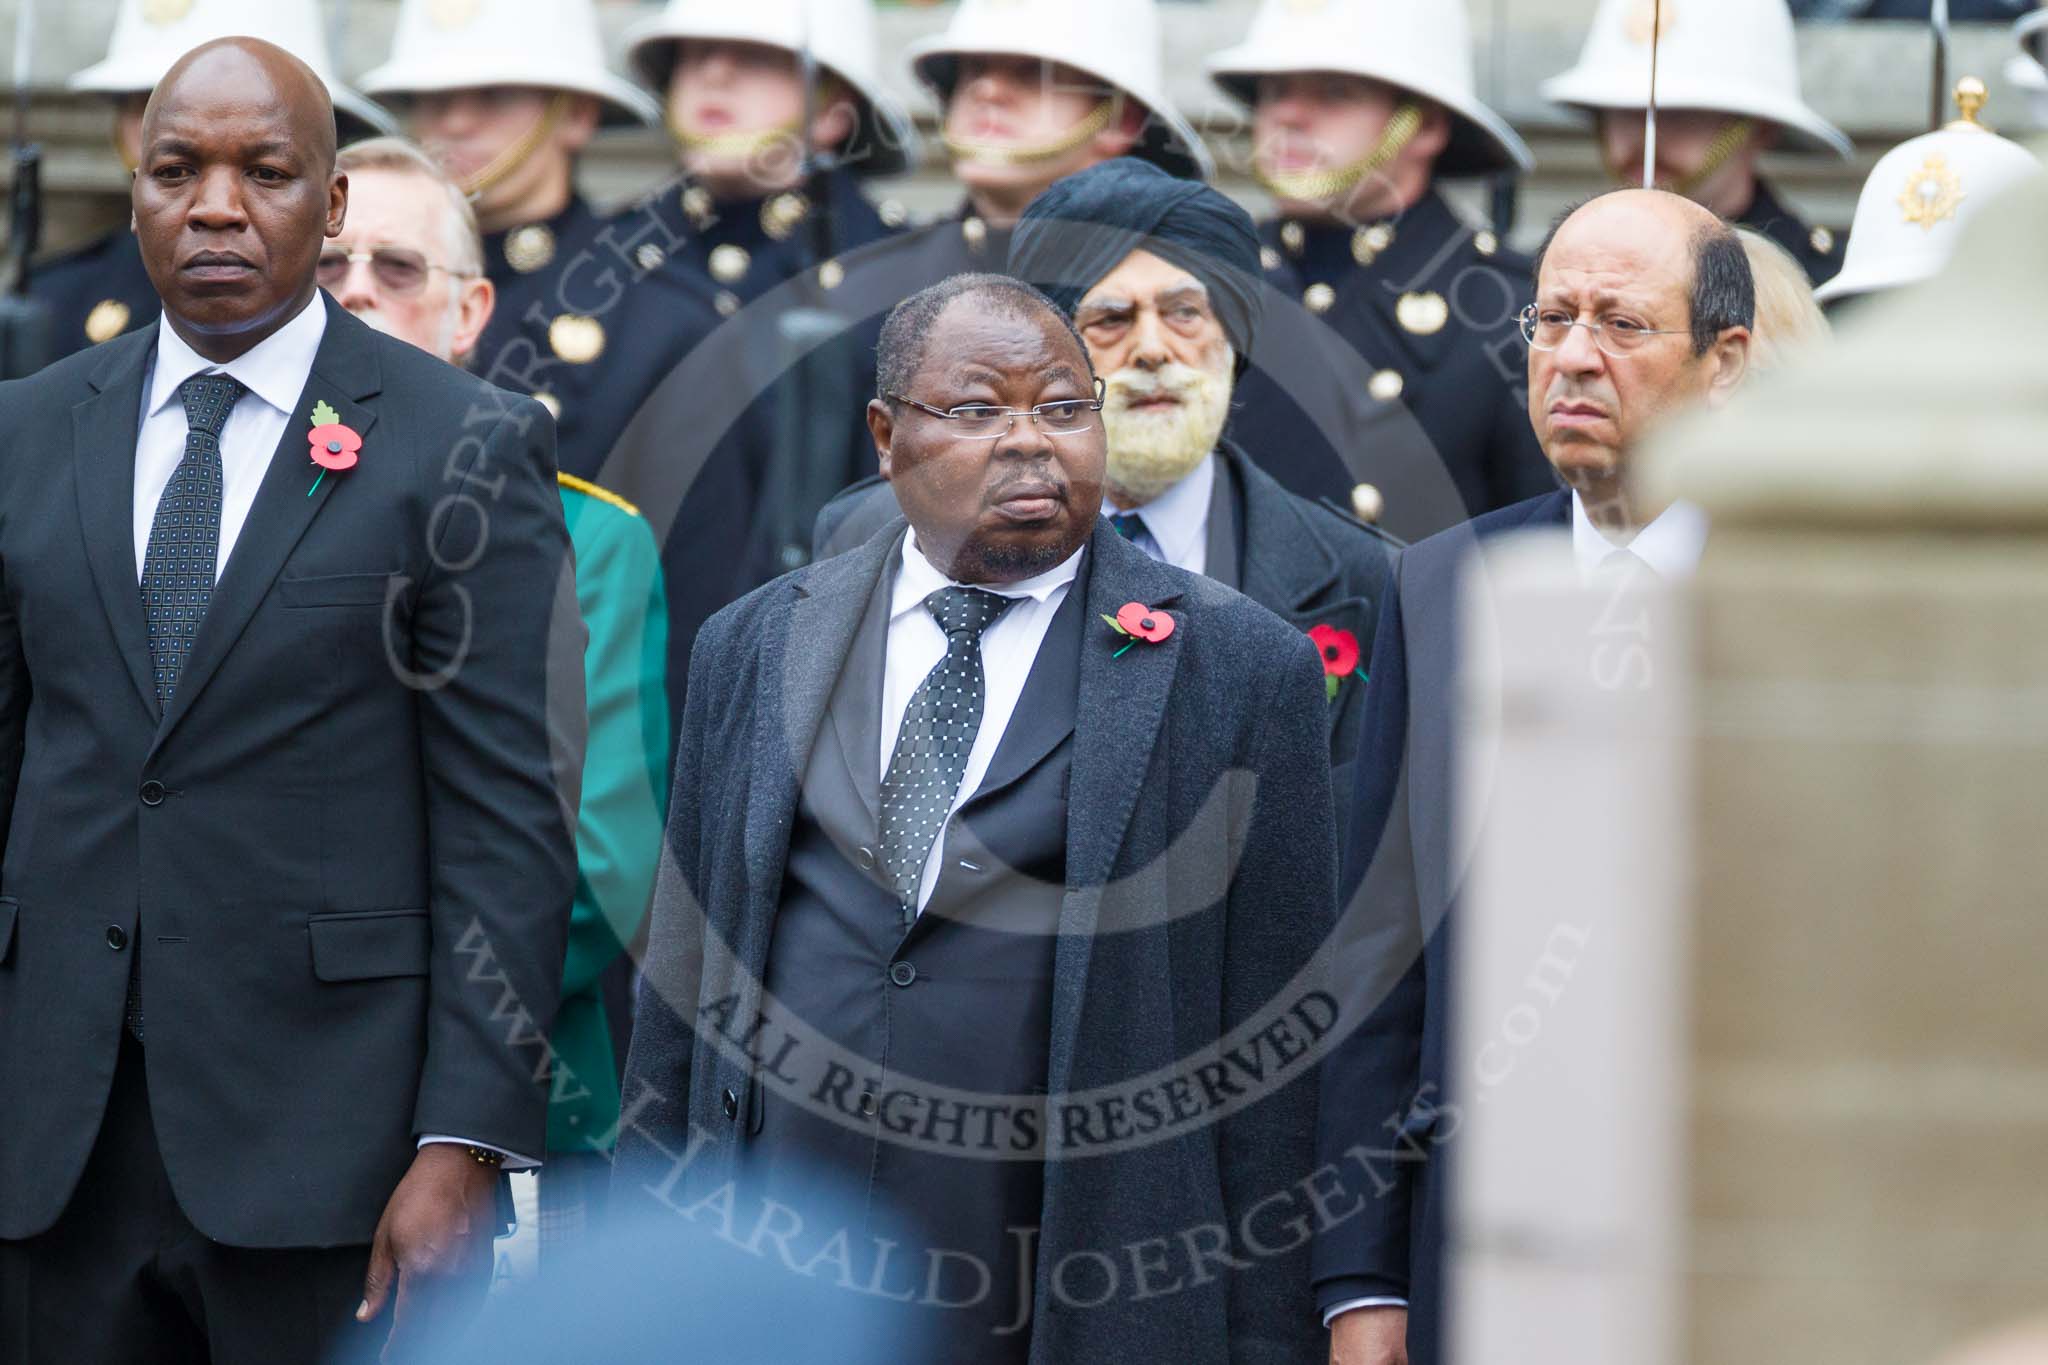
[[1339, 649], [334, 445], [1140, 622]]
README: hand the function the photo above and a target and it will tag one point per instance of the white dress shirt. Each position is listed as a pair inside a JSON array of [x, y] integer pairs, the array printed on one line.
[[273, 371], [1177, 521], [1671, 545], [1008, 649]]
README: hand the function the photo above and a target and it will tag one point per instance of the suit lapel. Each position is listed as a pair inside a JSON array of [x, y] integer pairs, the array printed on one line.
[[345, 370], [856, 703], [103, 433], [1288, 566], [1118, 715], [832, 596], [1225, 499]]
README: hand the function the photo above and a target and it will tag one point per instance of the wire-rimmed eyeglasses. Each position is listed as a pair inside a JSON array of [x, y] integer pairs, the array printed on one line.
[[980, 421], [1616, 334]]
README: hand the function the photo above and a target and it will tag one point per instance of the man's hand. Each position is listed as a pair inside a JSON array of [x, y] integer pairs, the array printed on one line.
[[434, 1241], [1370, 1336]]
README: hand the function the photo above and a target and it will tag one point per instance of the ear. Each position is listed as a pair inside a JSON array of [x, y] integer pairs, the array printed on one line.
[[882, 427], [477, 299], [1730, 359], [337, 203], [834, 125], [1435, 133], [579, 123], [1121, 136]]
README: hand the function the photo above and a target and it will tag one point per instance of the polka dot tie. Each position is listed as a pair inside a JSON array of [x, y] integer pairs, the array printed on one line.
[[184, 539], [938, 732]]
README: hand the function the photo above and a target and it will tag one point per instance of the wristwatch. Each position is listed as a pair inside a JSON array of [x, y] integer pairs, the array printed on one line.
[[484, 1156]]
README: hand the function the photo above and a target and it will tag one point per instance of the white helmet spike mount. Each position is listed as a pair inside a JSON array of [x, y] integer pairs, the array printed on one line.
[[1735, 57], [838, 34], [150, 36], [1116, 42], [1422, 49], [443, 45]]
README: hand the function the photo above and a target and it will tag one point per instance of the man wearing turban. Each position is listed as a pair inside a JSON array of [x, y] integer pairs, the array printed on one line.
[[1161, 278]]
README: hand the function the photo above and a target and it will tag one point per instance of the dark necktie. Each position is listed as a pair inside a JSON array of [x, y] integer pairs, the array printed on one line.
[[939, 726], [184, 538], [177, 570], [1129, 525]]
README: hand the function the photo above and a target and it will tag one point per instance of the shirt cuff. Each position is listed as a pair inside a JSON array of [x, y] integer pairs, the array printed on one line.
[[513, 1161], [1337, 1310]]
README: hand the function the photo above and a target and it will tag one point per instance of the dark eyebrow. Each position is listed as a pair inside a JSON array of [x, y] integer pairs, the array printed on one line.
[[1057, 373], [177, 146]]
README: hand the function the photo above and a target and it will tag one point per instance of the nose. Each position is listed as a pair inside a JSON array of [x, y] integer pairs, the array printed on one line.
[[218, 204], [1025, 440], [1621, 141], [1148, 348], [1580, 353], [990, 83], [357, 290]]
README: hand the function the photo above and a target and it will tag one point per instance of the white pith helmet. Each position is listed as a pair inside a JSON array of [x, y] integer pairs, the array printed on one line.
[[442, 45], [1920, 198], [1423, 49], [151, 35], [1117, 42], [840, 35], [1725, 56]]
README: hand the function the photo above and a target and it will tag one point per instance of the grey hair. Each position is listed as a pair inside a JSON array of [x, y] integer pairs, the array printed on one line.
[[397, 154]]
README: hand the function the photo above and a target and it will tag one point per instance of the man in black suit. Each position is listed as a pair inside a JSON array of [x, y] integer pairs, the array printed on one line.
[[999, 916], [1161, 278], [290, 721], [1644, 303]]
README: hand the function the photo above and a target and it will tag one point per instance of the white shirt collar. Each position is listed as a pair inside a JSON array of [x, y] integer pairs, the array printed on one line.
[[918, 580], [1671, 545], [274, 369], [1179, 518]]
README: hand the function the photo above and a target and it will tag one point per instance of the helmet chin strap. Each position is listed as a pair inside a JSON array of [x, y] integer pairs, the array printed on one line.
[[1007, 154], [734, 144], [516, 155], [1324, 187], [1732, 138]]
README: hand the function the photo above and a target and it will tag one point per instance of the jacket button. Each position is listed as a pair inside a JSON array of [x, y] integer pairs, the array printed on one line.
[[867, 1103], [152, 793], [117, 937], [866, 858], [903, 973], [732, 1104]]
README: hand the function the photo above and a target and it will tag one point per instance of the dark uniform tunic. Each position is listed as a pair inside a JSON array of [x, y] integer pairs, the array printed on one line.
[[1427, 399], [94, 293], [1816, 248], [730, 449]]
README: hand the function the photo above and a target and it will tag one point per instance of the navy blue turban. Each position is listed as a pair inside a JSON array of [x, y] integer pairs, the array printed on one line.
[[1084, 226]]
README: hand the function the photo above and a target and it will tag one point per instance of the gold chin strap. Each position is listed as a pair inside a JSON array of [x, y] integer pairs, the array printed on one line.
[[733, 145], [509, 160], [1003, 154], [1730, 140], [1322, 187]]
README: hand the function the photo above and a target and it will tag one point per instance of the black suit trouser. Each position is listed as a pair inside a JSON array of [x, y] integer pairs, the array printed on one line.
[[123, 1278]]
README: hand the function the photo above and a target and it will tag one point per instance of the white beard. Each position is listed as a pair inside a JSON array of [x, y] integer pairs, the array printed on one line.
[[1151, 451]]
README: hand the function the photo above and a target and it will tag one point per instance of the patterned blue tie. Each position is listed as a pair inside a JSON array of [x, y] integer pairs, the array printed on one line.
[[184, 539], [939, 727], [1129, 525]]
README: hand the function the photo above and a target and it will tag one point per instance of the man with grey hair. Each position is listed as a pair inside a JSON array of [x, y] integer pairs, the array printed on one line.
[[409, 262]]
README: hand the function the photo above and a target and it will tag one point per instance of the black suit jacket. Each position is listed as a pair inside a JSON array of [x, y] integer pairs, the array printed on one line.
[[1384, 1086], [1198, 886], [344, 853], [1305, 563]]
